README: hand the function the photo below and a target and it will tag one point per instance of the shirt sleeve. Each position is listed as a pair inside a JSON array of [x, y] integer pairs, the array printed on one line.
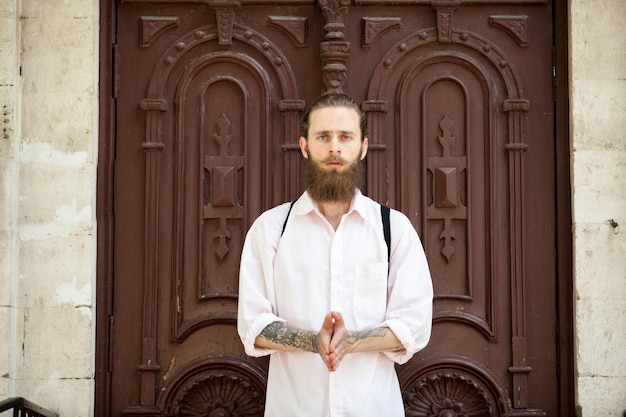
[[410, 304], [257, 306]]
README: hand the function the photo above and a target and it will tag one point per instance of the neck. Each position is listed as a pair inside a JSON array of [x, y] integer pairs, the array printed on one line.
[[333, 211]]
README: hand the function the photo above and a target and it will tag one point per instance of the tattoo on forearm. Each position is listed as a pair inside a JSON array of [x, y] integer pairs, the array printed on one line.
[[377, 332], [291, 337], [355, 336]]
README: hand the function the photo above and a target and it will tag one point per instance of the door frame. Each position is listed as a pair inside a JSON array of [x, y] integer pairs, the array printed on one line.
[[105, 216], [104, 208], [564, 249]]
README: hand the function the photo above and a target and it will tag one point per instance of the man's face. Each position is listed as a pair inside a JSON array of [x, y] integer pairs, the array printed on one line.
[[334, 149], [334, 138]]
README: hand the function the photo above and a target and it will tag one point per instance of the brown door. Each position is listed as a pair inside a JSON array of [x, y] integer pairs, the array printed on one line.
[[208, 94]]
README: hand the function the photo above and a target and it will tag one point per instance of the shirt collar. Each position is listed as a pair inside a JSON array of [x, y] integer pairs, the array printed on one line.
[[306, 204]]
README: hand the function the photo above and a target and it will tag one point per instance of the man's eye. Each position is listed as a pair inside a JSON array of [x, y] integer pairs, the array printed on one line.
[[322, 137], [347, 137]]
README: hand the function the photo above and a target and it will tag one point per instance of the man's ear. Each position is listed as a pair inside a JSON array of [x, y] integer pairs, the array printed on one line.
[[364, 146], [303, 146]]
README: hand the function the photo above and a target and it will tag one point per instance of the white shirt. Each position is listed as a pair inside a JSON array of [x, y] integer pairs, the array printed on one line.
[[312, 269]]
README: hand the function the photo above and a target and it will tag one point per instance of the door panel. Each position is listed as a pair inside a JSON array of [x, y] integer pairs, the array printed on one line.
[[458, 97]]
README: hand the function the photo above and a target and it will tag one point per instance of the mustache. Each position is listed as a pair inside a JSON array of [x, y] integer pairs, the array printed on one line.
[[335, 159]]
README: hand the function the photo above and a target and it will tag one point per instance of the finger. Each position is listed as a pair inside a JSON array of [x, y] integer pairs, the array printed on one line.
[[337, 317], [326, 359], [328, 322], [332, 365]]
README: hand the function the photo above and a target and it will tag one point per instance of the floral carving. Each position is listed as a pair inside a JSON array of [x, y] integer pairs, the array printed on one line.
[[294, 26], [375, 27], [153, 26], [218, 395], [447, 394], [516, 26]]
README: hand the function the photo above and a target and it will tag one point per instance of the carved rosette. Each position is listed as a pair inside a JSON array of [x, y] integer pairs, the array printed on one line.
[[219, 394], [447, 394]]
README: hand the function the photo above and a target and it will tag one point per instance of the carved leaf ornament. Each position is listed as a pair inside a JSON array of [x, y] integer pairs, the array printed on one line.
[[218, 395], [447, 395]]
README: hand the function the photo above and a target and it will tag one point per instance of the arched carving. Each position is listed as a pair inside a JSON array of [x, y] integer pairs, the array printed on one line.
[[461, 37], [217, 386], [169, 85], [487, 58], [182, 46], [445, 187], [452, 387], [219, 155]]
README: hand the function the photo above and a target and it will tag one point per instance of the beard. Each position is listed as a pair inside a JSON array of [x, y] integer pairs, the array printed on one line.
[[327, 186]]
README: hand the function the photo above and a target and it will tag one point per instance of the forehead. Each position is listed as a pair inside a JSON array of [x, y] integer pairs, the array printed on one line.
[[345, 119]]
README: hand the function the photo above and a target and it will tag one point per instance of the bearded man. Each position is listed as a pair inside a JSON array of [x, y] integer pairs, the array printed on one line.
[[320, 290]]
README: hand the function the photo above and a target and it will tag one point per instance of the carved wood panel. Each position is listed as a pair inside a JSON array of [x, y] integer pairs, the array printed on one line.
[[209, 98]]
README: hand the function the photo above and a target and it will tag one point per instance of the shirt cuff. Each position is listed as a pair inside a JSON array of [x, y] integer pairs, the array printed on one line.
[[255, 329], [403, 333]]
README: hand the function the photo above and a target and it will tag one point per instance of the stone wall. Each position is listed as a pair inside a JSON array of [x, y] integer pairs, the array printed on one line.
[[48, 147], [598, 143], [8, 197]]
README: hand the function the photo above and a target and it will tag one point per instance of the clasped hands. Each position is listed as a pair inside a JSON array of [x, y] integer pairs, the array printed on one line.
[[334, 342]]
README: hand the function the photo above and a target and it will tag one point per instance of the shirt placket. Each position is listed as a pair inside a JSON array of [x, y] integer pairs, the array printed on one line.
[[337, 303]]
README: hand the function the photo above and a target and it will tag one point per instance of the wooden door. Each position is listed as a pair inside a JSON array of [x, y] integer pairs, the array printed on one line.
[[207, 97]]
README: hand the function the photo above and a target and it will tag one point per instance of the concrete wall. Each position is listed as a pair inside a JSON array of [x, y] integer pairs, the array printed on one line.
[[598, 143], [48, 144]]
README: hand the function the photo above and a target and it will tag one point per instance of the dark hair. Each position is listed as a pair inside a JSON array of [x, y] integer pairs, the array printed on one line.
[[333, 100]]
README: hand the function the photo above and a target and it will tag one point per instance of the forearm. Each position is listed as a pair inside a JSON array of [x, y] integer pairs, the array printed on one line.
[[278, 336], [380, 339]]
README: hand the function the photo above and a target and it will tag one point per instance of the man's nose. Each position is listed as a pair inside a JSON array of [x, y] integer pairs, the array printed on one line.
[[335, 144]]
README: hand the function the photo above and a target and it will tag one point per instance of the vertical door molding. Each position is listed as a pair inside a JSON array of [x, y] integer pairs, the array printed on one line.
[[520, 367], [153, 145], [376, 112], [291, 109]]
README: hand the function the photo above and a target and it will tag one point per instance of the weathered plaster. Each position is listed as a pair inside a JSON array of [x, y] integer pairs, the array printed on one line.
[[48, 138], [598, 143], [8, 94]]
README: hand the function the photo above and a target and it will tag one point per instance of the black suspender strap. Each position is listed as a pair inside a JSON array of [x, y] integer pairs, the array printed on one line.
[[384, 212], [287, 218]]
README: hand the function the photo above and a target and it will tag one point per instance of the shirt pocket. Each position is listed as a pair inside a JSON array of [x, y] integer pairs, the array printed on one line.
[[370, 293]]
